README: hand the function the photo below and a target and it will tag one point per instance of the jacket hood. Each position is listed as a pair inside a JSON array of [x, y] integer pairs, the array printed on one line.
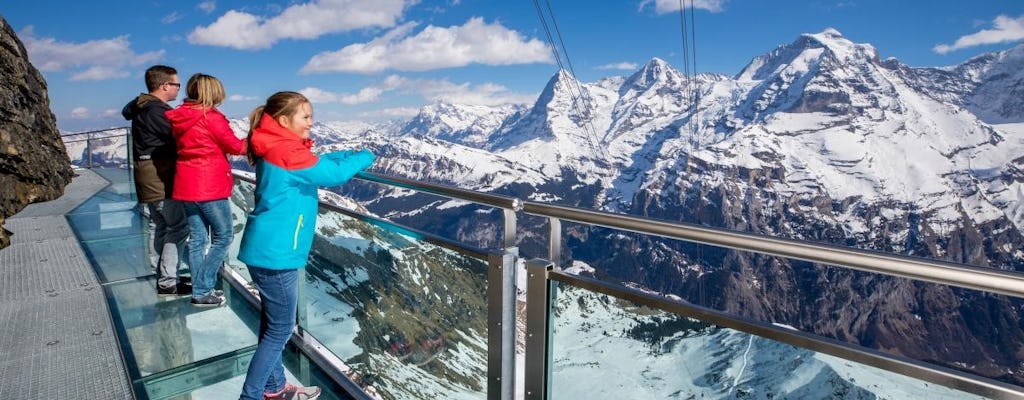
[[278, 145], [186, 116], [137, 104]]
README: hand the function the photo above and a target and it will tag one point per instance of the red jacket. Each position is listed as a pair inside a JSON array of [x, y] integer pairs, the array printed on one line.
[[204, 137]]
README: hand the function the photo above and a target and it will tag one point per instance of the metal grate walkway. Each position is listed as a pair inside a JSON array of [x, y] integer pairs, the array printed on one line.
[[57, 340]]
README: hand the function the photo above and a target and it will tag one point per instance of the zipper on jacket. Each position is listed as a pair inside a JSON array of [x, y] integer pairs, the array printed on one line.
[[298, 227]]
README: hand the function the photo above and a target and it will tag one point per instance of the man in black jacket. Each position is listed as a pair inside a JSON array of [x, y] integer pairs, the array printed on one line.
[[155, 155]]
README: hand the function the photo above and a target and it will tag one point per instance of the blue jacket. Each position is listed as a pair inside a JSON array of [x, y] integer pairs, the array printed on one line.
[[279, 230]]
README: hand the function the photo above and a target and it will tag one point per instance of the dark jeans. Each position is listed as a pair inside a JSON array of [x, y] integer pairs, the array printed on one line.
[[213, 216], [278, 294]]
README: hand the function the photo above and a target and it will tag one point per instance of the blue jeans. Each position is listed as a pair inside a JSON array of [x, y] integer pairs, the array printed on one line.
[[278, 293], [213, 216]]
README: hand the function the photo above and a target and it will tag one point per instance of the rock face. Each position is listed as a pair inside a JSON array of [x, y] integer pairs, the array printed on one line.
[[34, 165]]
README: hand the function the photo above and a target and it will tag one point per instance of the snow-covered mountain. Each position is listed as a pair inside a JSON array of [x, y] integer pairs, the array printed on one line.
[[819, 140]]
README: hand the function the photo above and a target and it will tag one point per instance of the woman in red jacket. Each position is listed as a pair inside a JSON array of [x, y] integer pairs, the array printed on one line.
[[203, 181]]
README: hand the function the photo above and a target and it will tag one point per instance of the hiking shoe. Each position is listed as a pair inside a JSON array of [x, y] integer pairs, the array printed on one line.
[[181, 289], [292, 392], [209, 300]]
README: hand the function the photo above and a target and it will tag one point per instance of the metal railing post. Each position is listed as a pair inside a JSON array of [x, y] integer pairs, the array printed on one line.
[[540, 295], [500, 372], [508, 306], [555, 241], [88, 149]]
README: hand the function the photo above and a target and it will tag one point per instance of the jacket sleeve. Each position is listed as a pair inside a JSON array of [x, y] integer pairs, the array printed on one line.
[[335, 168], [222, 134]]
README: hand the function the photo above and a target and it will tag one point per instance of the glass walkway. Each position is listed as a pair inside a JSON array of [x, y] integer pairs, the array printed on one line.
[[171, 349]]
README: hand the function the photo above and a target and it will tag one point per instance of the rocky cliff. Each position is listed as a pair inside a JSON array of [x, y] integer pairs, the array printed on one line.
[[34, 165]]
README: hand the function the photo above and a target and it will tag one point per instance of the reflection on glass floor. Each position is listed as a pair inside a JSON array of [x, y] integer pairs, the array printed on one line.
[[172, 349]]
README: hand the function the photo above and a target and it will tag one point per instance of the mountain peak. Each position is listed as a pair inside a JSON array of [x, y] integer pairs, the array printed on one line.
[[808, 49], [656, 70]]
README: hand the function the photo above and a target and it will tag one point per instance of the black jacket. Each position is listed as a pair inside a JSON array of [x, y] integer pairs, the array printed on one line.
[[151, 133]]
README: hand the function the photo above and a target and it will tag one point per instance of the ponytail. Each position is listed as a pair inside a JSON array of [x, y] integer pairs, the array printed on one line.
[[254, 118]]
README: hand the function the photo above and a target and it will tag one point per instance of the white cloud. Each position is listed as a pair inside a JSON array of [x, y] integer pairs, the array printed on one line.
[[241, 30], [79, 113], [239, 97], [366, 95], [486, 94], [207, 6], [1005, 29], [394, 112], [668, 6], [475, 42], [92, 60], [171, 18], [625, 66], [430, 90], [110, 113], [100, 73]]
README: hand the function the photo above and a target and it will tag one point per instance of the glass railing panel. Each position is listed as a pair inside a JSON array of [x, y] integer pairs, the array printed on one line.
[[98, 149], [951, 327], [242, 201], [162, 333], [605, 347], [409, 317]]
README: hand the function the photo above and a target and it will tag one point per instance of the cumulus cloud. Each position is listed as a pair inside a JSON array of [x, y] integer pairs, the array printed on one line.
[[668, 6], [625, 66], [1005, 29], [207, 6], [475, 42], [245, 31], [110, 113], [79, 113], [92, 60]]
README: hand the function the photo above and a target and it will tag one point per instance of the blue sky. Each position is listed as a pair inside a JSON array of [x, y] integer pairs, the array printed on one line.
[[378, 59]]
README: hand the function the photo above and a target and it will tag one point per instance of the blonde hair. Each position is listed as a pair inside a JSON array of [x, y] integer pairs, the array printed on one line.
[[277, 105], [205, 90]]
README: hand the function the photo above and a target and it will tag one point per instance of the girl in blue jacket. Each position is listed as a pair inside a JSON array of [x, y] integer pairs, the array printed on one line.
[[279, 230]]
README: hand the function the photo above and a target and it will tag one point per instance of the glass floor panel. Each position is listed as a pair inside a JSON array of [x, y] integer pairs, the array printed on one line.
[[223, 378], [111, 222], [117, 259], [168, 332]]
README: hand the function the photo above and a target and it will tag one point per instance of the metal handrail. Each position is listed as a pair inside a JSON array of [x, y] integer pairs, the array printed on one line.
[[990, 280], [504, 202], [66, 138], [459, 247]]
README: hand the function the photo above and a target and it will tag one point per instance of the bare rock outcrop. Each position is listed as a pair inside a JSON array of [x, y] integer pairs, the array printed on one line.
[[34, 164]]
